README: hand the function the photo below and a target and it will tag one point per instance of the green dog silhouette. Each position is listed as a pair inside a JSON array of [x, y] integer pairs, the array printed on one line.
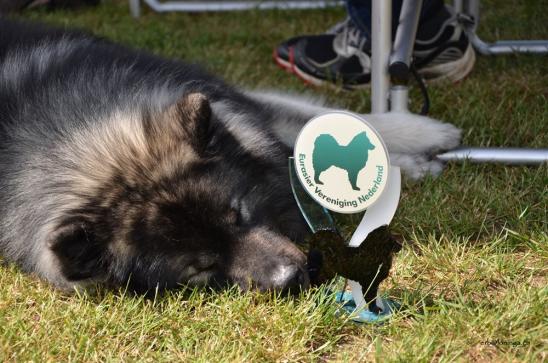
[[352, 157]]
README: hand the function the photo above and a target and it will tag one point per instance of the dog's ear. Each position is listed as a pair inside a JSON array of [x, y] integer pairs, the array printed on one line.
[[195, 113], [77, 250], [187, 120]]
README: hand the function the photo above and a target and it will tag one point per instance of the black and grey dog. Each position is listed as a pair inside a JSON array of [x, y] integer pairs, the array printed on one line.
[[118, 166]]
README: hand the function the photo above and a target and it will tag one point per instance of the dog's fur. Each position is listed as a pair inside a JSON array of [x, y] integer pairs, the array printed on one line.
[[120, 166]]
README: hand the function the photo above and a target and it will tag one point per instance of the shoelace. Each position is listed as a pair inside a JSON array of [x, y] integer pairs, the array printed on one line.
[[351, 41]]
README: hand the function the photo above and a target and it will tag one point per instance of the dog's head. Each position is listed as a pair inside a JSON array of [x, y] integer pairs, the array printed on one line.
[[180, 201], [362, 141]]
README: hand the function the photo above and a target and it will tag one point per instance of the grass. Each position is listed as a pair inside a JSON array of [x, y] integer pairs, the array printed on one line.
[[472, 276]]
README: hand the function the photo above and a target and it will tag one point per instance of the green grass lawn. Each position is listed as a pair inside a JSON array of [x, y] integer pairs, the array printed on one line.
[[472, 276]]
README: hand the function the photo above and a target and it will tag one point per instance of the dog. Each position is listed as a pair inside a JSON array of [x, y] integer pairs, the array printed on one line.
[[327, 153], [123, 168]]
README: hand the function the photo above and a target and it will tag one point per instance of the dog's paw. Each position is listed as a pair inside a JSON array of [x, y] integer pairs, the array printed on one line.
[[407, 133], [416, 167]]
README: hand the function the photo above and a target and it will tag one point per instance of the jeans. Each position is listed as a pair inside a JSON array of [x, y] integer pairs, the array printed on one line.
[[360, 13]]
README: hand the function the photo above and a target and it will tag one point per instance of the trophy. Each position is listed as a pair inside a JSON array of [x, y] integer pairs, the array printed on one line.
[[341, 165]]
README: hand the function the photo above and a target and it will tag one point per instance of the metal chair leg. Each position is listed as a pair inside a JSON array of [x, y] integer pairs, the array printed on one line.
[[204, 6], [469, 15]]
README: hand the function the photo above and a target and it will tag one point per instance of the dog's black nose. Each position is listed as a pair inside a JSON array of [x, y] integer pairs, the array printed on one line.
[[289, 276]]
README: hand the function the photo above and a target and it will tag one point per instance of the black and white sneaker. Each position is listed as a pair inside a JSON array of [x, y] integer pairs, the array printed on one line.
[[283, 54], [442, 52], [342, 58], [446, 54]]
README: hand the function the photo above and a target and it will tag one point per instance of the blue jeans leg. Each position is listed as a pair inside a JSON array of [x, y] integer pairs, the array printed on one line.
[[360, 13]]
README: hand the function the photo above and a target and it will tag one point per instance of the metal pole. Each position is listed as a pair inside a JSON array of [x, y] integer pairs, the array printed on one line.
[[509, 156], [470, 9], [203, 6], [135, 8], [509, 46], [399, 98], [400, 59], [381, 34], [458, 6]]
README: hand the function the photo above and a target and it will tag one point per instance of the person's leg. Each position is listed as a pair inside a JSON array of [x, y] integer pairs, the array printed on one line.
[[359, 12]]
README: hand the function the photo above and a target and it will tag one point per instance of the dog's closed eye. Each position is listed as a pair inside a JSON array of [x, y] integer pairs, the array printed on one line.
[[239, 212]]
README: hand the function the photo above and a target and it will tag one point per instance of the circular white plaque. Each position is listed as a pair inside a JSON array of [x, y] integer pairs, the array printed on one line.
[[341, 161]]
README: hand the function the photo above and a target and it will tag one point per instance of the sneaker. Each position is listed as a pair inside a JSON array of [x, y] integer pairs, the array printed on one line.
[[283, 55], [446, 54], [344, 57], [341, 58]]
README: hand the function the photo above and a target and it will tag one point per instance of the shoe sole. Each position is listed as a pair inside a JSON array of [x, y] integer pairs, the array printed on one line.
[[310, 79], [451, 71], [282, 63]]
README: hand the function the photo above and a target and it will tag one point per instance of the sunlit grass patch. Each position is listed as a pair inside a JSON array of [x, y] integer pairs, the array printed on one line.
[[471, 278]]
